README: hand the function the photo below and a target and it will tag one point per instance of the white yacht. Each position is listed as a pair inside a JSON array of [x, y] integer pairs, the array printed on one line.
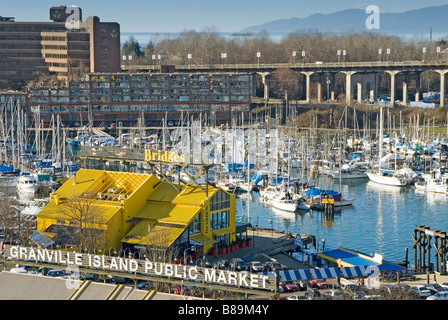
[[387, 177], [347, 172], [27, 184], [287, 202]]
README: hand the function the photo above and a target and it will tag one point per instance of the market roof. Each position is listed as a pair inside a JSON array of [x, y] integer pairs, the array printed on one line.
[[157, 235], [350, 258], [169, 213], [191, 194], [54, 211]]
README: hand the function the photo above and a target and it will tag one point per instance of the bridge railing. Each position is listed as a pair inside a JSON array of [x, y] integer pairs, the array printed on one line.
[[308, 65]]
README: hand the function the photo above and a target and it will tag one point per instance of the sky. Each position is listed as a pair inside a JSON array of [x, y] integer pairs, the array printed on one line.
[[178, 15]]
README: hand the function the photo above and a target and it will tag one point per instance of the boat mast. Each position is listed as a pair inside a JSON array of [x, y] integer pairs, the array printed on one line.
[[380, 140]]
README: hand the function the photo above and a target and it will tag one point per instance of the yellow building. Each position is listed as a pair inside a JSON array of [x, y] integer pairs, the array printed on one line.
[[137, 211]]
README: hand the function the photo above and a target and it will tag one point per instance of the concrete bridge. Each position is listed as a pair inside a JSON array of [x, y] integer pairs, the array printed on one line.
[[362, 76]]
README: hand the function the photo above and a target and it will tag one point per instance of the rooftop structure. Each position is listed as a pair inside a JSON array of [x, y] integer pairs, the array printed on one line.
[[137, 211]]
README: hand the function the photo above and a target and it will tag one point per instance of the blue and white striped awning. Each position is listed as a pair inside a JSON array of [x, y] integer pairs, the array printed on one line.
[[325, 273], [358, 271], [300, 274]]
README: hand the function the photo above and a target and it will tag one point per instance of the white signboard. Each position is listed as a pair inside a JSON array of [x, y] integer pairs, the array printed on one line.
[[141, 267]]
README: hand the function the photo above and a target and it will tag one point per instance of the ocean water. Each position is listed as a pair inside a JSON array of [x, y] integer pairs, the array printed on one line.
[[381, 220]]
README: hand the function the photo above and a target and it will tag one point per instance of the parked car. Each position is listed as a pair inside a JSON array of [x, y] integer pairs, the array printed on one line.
[[319, 284], [314, 294], [255, 266], [434, 288], [421, 291], [222, 264], [441, 295], [444, 285], [371, 297], [29, 269], [144, 285], [56, 273], [334, 295], [238, 264], [289, 286], [273, 266], [297, 297]]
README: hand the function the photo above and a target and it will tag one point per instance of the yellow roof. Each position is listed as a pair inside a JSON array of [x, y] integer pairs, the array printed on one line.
[[169, 213], [189, 195], [104, 185], [159, 235], [84, 179], [53, 211]]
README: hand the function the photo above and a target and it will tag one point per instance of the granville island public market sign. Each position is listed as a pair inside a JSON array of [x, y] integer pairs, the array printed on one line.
[[142, 267]]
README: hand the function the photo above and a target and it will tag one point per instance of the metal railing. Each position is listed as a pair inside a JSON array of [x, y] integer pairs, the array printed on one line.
[[310, 66]]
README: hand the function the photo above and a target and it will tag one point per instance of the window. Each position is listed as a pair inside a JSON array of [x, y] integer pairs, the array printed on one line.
[[219, 220], [195, 226], [220, 201]]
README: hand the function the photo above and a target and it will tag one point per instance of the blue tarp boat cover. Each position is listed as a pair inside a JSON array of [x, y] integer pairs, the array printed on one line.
[[313, 192], [4, 169]]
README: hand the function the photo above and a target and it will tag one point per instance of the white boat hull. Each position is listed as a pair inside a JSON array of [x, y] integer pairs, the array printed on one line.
[[285, 206], [386, 180]]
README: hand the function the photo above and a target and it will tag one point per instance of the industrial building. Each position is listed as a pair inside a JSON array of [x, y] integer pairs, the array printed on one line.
[[109, 211]]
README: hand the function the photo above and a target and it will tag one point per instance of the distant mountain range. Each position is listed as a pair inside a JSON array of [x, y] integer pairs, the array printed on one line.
[[419, 21]]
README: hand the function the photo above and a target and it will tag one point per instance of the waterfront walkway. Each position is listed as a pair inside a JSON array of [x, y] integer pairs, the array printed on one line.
[[267, 245]]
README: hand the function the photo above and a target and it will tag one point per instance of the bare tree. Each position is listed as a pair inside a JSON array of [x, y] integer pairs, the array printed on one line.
[[86, 221], [9, 216]]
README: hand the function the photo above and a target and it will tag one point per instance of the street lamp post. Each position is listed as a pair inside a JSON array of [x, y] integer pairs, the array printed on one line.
[[223, 56], [258, 57]]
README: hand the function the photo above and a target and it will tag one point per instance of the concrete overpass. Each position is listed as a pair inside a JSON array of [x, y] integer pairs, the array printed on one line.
[[361, 76]]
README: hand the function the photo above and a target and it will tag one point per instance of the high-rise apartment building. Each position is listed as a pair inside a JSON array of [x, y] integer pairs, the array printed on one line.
[[64, 47]]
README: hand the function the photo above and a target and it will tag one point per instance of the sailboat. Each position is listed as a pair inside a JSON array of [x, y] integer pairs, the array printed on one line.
[[385, 176], [316, 195], [286, 202]]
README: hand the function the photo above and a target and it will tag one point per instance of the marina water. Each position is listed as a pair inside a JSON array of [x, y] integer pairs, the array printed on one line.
[[381, 220]]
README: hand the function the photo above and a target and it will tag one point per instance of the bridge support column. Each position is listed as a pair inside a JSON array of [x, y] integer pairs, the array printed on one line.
[[405, 93], [417, 87], [265, 84], [442, 86], [319, 92], [359, 94], [308, 85], [392, 86], [348, 87]]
